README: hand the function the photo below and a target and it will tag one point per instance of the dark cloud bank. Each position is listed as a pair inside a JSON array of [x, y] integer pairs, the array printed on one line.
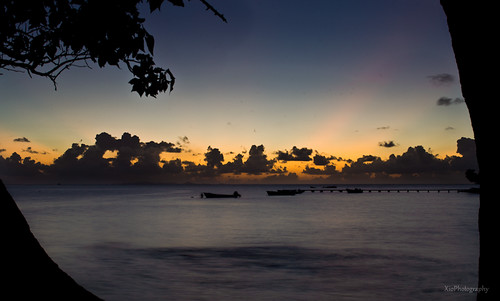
[[128, 160]]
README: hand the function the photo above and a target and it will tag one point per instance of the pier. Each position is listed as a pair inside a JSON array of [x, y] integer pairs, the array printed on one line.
[[358, 190]]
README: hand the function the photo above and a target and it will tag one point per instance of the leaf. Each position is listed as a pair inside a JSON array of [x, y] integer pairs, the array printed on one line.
[[172, 79], [137, 86], [155, 5], [101, 61]]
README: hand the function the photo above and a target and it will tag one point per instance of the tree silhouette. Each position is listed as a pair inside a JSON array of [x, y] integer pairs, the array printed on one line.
[[47, 37], [472, 33], [472, 176]]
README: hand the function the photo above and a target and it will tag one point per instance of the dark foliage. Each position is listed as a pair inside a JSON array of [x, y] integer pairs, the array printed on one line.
[[46, 37], [472, 176]]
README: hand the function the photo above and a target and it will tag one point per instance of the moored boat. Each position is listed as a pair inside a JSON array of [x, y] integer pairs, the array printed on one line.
[[355, 190], [284, 192], [210, 195]]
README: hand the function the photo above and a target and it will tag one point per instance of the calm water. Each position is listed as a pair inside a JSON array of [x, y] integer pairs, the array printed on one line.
[[166, 243]]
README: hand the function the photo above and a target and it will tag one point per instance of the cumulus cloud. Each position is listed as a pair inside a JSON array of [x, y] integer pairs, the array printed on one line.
[[416, 163], [296, 154], [30, 150], [173, 167], [137, 161], [214, 157], [387, 144], [328, 170], [22, 139], [236, 166], [257, 162], [441, 79], [466, 147], [17, 169], [184, 140], [414, 160], [321, 160], [134, 159], [447, 101], [183, 143], [129, 160]]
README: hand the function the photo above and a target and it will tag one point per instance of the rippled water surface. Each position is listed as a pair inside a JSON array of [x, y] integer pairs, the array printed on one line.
[[167, 243]]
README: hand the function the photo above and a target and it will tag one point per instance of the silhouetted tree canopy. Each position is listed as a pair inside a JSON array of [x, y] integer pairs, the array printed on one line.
[[472, 176], [46, 37]]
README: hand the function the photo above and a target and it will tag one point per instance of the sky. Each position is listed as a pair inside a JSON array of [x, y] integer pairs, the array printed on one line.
[[338, 79]]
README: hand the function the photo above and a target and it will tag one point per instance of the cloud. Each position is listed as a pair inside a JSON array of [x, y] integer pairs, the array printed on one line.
[[30, 150], [134, 161], [130, 148], [257, 162], [329, 170], [466, 147], [183, 143], [368, 158], [173, 167], [414, 160], [321, 160], [297, 154], [193, 168], [184, 140], [214, 157], [16, 169], [387, 144], [416, 164], [23, 139], [236, 166], [441, 79], [148, 156], [446, 101], [383, 128]]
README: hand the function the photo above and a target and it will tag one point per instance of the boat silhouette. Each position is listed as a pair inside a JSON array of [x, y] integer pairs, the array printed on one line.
[[284, 192], [210, 195]]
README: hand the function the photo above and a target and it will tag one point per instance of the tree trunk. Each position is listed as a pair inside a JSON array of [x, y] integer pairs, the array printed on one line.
[[470, 23], [28, 272]]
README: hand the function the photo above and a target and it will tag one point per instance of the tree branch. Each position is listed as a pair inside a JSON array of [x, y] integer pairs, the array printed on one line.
[[46, 38], [211, 8]]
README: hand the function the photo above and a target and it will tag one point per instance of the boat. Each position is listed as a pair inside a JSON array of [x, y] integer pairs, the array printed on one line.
[[210, 195], [355, 190], [284, 192]]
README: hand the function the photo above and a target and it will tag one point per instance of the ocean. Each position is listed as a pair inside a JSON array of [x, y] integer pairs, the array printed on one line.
[[165, 242]]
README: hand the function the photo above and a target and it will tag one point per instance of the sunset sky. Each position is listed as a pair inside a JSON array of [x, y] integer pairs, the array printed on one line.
[[341, 78]]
